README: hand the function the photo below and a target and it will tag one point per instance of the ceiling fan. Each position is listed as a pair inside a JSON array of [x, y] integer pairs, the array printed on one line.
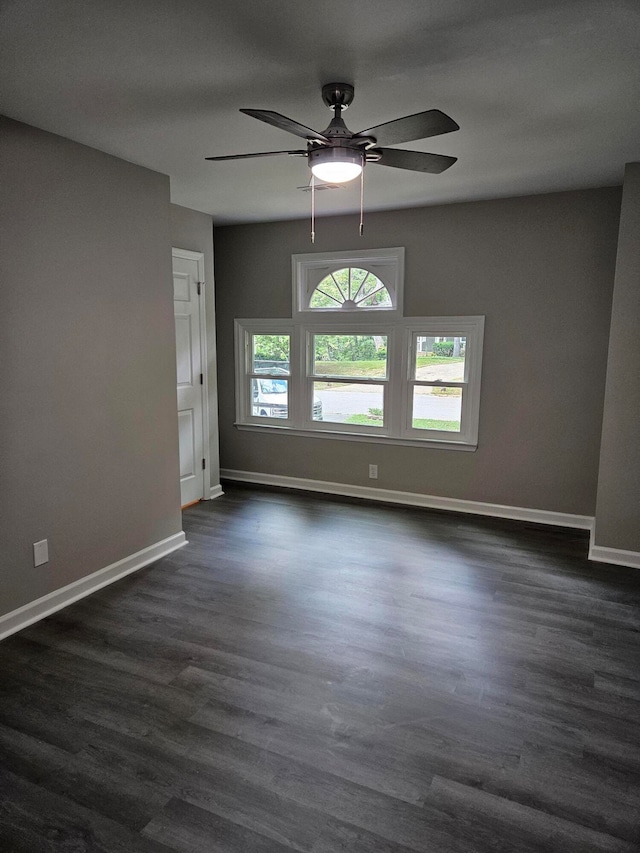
[[336, 155]]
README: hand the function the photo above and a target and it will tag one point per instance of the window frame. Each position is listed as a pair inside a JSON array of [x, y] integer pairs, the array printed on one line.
[[309, 269], [308, 331], [470, 328], [398, 395], [245, 373]]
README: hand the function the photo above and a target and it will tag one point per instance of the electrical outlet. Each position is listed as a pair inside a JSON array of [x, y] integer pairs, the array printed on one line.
[[373, 472], [41, 552]]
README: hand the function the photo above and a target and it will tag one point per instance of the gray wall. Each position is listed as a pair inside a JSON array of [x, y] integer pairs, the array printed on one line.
[[89, 444], [618, 506], [540, 268], [193, 230]]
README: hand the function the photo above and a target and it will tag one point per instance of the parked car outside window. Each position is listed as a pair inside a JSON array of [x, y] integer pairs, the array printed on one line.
[[270, 396]]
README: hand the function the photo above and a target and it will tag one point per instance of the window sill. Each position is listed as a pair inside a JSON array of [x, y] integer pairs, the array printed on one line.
[[434, 444]]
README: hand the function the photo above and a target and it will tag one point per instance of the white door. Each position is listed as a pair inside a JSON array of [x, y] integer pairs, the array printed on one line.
[[189, 318]]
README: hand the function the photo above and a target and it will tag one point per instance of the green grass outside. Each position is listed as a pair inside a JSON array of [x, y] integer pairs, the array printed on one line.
[[427, 360], [372, 369], [418, 423], [376, 367], [356, 369]]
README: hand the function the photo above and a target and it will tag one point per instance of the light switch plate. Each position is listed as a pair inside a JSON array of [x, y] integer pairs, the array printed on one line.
[[40, 552]]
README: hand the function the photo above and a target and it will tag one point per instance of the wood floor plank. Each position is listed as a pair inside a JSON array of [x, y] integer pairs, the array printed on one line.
[[34, 819], [355, 762], [321, 675], [413, 826], [521, 827], [184, 826], [383, 729], [566, 787]]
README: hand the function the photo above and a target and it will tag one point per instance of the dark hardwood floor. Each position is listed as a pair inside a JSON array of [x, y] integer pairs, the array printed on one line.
[[320, 675]]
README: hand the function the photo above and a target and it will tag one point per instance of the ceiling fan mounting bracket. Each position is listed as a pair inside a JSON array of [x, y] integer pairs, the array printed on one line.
[[337, 95]]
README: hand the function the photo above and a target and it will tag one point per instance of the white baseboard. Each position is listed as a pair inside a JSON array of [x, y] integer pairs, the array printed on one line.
[[41, 607], [616, 556], [215, 492], [538, 516]]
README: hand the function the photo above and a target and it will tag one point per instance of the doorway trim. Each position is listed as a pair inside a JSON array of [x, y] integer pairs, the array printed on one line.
[[198, 257]]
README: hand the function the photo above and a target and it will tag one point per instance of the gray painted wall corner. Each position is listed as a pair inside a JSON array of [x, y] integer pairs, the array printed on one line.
[[618, 505], [87, 405]]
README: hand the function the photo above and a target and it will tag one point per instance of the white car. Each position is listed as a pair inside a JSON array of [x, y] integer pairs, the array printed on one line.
[[270, 396]]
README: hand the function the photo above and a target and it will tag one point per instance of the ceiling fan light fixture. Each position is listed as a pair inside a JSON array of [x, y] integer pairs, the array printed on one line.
[[337, 156], [336, 165]]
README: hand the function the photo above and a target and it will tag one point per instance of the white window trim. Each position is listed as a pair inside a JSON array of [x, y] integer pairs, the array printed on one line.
[[309, 269], [244, 361], [471, 328], [307, 373], [400, 336]]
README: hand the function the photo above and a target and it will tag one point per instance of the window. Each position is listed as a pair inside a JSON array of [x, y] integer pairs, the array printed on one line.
[[348, 374], [269, 373], [350, 366], [348, 281], [443, 384], [350, 288]]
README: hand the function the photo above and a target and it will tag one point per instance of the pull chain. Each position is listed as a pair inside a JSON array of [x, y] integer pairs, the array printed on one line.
[[313, 208], [362, 203]]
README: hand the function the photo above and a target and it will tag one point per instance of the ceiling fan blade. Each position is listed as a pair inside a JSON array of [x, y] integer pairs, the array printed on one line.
[[415, 161], [287, 124], [261, 154], [418, 126]]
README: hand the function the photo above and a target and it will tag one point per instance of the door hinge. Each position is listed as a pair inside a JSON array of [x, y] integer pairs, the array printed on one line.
[[199, 288], [201, 379], [204, 464]]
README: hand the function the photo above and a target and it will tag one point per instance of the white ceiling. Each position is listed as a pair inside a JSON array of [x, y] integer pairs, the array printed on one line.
[[546, 93]]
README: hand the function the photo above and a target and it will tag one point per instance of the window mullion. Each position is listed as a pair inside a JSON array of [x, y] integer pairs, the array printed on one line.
[[393, 389], [294, 381], [406, 366], [437, 384], [354, 380]]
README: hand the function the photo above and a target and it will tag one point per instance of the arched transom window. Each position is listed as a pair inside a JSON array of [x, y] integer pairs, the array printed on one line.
[[343, 283], [350, 288]]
